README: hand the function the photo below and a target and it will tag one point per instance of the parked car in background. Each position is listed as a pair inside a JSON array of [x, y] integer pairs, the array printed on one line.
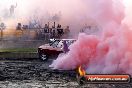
[[54, 48]]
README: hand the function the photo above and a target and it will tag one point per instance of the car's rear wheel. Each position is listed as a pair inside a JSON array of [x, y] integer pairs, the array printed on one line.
[[43, 57]]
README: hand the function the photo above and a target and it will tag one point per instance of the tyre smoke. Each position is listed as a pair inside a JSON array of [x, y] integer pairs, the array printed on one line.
[[110, 52]]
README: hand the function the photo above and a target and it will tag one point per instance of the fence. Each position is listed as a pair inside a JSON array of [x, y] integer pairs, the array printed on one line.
[[29, 34]]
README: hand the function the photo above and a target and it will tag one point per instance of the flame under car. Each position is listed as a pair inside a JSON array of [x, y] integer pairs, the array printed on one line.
[[54, 48], [81, 75]]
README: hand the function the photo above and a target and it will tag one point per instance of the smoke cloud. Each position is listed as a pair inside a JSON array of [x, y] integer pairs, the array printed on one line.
[[110, 52], [74, 13], [68, 13]]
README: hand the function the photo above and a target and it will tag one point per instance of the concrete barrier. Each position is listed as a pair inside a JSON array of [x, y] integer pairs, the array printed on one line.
[[21, 43]]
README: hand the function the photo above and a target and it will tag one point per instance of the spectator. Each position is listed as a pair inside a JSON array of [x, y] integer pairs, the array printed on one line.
[[12, 9], [65, 48]]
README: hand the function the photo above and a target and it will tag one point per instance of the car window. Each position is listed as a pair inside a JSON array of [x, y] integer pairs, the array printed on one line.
[[55, 43], [60, 44], [69, 42]]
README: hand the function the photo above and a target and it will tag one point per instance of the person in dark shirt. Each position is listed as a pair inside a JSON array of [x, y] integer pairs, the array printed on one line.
[[65, 48]]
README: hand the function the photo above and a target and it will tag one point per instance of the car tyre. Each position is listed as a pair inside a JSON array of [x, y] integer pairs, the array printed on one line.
[[43, 57]]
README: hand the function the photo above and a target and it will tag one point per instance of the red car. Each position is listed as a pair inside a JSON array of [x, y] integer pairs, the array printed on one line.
[[54, 48]]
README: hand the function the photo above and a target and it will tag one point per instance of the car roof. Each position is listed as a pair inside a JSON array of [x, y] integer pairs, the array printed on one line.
[[63, 39]]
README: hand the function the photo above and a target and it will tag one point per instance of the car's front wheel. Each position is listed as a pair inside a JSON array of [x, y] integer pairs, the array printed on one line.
[[43, 57]]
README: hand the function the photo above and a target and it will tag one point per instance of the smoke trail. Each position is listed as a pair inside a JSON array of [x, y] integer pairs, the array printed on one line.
[[109, 53]]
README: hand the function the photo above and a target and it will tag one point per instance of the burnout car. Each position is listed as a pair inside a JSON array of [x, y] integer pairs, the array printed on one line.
[[54, 48]]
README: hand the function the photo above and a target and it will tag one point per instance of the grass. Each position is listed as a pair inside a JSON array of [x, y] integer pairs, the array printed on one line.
[[19, 50]]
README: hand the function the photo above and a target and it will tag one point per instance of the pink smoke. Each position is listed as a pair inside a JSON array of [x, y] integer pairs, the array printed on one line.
[[109, 53]]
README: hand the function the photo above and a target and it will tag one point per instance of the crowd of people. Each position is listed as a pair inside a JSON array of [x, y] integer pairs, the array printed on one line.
[[46, 32]]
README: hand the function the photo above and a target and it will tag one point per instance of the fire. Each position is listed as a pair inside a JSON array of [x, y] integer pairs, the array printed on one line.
[[81, 71]]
